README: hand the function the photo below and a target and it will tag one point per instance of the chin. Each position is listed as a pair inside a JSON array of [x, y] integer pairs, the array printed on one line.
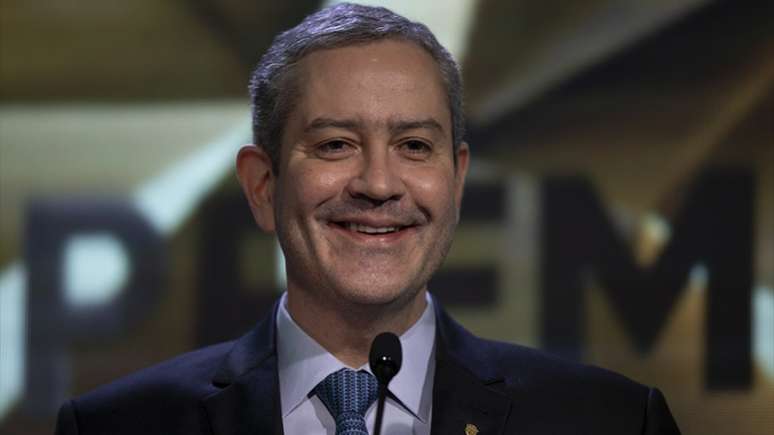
[[372, 292]]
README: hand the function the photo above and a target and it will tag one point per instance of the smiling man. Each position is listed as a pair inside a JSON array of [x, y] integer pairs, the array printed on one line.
[[359, 167], [366, 192]]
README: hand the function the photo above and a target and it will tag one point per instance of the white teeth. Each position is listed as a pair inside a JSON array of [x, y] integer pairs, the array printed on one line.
[[370, 230]]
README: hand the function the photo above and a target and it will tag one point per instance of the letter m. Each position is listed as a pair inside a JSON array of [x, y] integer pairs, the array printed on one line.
[[713, 227]]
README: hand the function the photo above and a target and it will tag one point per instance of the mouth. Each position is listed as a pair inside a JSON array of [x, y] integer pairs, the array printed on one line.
[[372, 231], [366, 229]]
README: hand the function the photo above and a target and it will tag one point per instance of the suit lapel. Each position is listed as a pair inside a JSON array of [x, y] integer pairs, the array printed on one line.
[[465, 390], [247, 396]]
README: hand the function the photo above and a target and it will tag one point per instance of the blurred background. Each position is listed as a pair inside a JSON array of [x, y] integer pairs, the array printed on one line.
[[618, 212]]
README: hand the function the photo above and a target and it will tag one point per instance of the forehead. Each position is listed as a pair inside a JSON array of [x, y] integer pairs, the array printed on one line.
[[371, 82]]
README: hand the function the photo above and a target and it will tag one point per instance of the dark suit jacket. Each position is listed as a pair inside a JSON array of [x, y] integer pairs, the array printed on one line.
[[232, 388]]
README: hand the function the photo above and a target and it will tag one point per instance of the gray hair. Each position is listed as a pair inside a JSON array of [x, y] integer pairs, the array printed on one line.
[[274, 91]]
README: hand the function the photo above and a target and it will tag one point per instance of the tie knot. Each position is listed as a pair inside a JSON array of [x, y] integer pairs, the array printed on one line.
[[348, 394]]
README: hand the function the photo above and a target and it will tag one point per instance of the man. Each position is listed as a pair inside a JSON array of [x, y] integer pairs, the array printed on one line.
[[359, 167]]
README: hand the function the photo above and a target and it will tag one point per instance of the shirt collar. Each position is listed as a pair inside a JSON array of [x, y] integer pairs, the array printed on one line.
[[303, 363]]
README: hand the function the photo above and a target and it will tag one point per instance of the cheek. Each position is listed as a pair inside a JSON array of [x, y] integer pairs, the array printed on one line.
[[313, 184], [433, 188]]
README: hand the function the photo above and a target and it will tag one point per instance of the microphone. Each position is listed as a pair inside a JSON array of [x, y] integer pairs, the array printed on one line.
[[384, 359]]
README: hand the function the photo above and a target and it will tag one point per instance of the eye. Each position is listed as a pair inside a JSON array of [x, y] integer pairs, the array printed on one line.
[[416, 149], [334, 149]]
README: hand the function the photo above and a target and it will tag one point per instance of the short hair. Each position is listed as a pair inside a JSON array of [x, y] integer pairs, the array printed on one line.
[[274, 91]]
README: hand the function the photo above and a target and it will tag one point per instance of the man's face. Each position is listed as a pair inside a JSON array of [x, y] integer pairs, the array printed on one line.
[[367, 196]]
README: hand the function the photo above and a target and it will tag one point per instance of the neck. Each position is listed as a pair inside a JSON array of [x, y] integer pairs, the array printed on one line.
[[347, 330]]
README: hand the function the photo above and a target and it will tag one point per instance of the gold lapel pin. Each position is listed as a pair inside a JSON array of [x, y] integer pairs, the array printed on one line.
[[471, 429]]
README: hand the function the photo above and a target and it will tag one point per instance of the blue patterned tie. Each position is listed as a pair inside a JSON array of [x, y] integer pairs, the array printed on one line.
[[348, 394]]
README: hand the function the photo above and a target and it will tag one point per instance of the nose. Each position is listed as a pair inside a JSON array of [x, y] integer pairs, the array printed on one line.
[[378, 179]]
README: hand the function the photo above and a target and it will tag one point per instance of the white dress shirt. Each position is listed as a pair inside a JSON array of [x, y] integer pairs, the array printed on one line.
[[303, 364]]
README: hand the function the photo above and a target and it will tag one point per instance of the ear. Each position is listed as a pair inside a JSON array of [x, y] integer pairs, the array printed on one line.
[[255, 174], [461, 171]]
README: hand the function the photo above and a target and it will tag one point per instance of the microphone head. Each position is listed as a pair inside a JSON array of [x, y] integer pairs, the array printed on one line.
[[385, 357]]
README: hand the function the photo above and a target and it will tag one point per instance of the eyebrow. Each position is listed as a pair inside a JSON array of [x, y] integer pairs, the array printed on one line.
[[323, 123], [395, 126]]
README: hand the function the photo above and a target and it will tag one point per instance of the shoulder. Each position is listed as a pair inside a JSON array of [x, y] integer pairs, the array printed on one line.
[[522, 367], [186, 375], [168, 393], [550, 394], [170, 397]]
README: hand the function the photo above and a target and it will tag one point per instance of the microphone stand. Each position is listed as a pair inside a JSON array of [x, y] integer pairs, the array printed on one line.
[[380, 408], [385, 360]]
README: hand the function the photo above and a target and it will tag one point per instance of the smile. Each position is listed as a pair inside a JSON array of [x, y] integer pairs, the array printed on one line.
[[351, 226], [372, 230]]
